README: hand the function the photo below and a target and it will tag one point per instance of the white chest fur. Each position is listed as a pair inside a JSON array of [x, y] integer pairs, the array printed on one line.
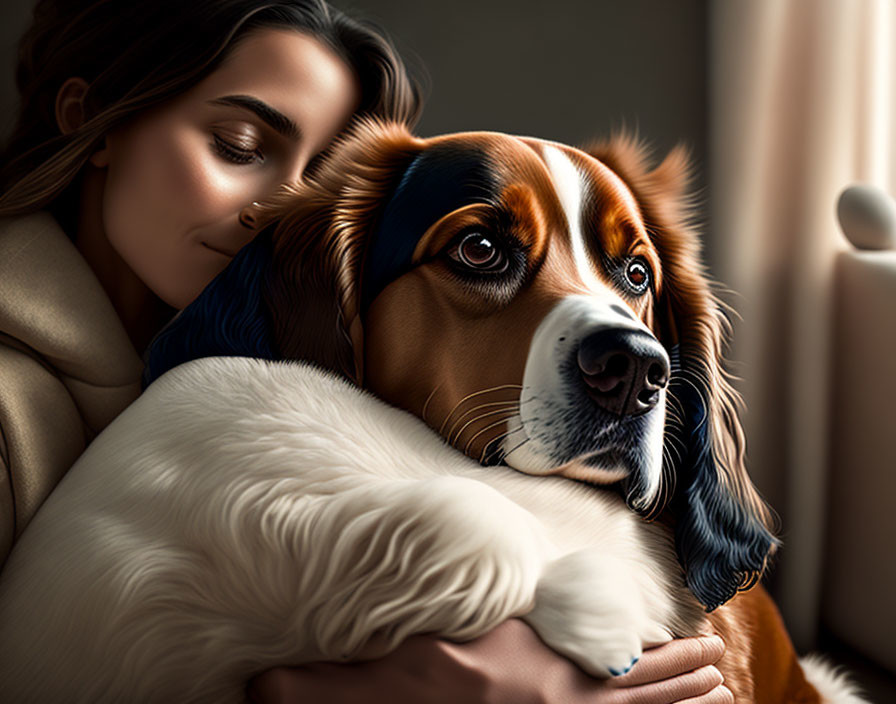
[[243, 514]]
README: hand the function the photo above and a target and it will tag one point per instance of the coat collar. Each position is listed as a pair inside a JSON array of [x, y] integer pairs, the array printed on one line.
[[51, 302]]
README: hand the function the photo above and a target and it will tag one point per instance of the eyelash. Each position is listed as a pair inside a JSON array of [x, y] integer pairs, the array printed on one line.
[[234, 154]]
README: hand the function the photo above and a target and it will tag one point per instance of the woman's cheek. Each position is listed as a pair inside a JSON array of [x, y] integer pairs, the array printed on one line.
[[160, 193]]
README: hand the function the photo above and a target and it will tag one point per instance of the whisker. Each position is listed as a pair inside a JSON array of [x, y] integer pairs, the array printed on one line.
[[700, 395], [469, 396], [505, 404], [512, 412], [671, 459], [667, 482], [488, 427], [507, 454], [698, 372], [497, 439], [664, 491], [674, 419], [428, 399]]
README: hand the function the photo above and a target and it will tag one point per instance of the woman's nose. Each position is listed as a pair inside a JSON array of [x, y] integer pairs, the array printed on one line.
[[249, 215]]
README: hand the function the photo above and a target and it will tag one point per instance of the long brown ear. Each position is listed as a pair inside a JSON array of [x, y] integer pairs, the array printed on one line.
[[292, 293], [322, 226], [723, 528]]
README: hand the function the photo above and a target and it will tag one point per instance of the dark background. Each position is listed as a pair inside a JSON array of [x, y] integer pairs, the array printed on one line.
[[569, 70]]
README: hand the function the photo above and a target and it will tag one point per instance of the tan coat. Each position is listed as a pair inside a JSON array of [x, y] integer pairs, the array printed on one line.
[[67, 367]]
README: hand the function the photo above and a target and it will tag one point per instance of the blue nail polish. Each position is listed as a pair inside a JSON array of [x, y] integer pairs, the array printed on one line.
[[613, 672]]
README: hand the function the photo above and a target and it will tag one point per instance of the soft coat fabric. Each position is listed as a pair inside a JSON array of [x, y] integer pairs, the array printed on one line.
[[67, 367]]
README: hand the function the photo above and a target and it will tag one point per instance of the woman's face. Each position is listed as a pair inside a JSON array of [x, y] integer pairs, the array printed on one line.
[[178, 176]]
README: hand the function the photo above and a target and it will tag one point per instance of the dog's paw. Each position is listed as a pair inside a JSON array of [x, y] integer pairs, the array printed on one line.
[[589, 609]]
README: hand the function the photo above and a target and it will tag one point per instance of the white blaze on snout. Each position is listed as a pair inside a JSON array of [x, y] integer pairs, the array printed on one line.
[[569, 185], [553, 390]]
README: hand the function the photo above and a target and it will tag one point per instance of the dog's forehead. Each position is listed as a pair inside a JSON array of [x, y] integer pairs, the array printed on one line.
[[579, 177], [458, 170]]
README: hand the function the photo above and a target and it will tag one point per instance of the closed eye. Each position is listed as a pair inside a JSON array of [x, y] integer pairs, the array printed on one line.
[[234, 153]]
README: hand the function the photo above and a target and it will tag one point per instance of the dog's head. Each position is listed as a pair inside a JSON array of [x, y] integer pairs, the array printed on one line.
[[537, 305]]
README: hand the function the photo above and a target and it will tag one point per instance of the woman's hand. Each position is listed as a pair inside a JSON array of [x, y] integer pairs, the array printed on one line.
[[509, 664]]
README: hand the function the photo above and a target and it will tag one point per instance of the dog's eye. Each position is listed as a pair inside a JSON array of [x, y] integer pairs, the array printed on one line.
[[637, 276], [480, 252]]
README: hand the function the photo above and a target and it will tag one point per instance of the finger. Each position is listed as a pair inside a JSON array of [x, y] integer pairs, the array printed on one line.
[[720, 695], [671, 659], [676, 689]]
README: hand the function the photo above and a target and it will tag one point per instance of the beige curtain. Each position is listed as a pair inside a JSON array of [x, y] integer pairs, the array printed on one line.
[[801, 105]]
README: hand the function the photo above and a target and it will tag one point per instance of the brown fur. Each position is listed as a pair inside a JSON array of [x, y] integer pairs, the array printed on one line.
[[760, 664], [696, 317], [319, 235], [460, 342]]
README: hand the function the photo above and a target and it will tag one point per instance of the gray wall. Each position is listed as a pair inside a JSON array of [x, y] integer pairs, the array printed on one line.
[[568, 70]]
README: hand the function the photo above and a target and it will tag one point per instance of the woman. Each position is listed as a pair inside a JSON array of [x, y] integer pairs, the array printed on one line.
[[145, 134]]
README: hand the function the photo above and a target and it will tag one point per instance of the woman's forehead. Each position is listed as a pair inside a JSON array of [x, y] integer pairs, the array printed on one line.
[[297, 75]]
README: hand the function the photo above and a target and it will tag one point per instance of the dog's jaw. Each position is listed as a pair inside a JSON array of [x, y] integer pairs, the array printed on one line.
[[559, 430]]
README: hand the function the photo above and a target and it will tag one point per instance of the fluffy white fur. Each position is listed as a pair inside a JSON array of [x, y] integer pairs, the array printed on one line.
[[245, 514], [833, 686]]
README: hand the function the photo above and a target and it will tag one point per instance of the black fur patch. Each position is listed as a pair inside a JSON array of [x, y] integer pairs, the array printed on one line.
[[438, 181]]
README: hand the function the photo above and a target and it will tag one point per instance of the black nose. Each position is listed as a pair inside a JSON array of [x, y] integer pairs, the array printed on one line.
[[624, 370]]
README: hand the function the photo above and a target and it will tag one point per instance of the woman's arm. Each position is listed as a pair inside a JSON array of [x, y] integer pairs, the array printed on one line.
[[509, 664]]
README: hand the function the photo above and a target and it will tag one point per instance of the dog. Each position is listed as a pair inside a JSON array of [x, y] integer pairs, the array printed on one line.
[[444, 386]]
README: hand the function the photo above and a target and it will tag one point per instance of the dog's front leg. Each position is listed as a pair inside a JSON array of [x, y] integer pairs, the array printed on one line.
[[393, 558], [594, 608]]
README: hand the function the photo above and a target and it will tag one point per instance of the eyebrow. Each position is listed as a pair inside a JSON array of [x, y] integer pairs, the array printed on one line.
[[276, 119]]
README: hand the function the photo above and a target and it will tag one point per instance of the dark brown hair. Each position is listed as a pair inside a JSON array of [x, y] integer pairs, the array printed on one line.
[[135, 55]]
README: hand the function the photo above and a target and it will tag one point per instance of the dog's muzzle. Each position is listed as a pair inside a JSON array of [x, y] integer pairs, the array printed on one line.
[[593, 403], [624, 370]]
